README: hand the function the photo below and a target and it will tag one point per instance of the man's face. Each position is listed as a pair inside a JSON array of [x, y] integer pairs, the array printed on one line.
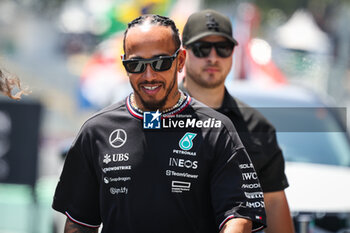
[[211, 71], [153, 90]]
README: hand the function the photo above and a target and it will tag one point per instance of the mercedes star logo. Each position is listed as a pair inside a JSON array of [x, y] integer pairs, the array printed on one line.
[[117, 138]]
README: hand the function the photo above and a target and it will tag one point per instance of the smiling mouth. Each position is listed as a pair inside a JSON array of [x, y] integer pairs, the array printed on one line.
[[150, 88]]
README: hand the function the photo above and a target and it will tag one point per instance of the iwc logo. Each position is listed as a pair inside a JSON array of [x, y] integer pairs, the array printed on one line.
[[117, 138], [186, 141]]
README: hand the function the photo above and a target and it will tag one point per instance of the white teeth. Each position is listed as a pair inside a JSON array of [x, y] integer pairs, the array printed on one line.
[[150, 88]]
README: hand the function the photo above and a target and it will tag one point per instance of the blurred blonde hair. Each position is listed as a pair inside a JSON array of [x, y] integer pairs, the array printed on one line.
[[8, 82]]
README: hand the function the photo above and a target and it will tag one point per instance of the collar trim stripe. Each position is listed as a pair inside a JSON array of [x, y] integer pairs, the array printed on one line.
[[131, 110]]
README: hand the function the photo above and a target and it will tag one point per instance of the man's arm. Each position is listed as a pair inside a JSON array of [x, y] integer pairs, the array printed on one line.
[[72, 227], [278, 214], [237, 225]]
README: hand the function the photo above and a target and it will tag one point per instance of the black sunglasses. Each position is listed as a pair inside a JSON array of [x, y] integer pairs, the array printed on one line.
[[202, 49], [161, 63]]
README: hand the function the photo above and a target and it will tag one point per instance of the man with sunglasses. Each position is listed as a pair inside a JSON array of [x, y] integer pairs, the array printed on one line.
[[207, 38], [131, 175]]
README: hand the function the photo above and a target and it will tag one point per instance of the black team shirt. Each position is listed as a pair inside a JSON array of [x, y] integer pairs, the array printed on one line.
[[191, 175], [258, 136]]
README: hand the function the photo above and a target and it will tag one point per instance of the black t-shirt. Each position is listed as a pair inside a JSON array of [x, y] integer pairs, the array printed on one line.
[[258, 136], [183, 177]]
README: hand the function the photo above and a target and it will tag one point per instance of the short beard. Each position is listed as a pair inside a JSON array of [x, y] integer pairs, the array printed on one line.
[[201, 82], [152, 105]]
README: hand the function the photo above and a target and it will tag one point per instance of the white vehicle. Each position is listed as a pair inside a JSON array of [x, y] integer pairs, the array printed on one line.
[[316, 147]]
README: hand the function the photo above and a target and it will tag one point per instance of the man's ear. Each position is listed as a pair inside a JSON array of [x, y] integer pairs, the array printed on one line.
[[181, 58]]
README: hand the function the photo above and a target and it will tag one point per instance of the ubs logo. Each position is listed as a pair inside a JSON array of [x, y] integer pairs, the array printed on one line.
[[117, 138], [115, 158]]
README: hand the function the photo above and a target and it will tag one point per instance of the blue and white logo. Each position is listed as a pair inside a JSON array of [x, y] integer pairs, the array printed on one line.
[[186, 141], [151, 120]]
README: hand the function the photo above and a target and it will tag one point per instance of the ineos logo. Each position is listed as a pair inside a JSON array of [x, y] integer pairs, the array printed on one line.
[[117, 138]]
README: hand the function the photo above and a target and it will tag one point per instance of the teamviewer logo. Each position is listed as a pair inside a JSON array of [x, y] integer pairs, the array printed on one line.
[[151, 120]]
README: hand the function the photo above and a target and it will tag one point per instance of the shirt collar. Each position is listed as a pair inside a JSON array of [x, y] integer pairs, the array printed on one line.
[[229, 104]]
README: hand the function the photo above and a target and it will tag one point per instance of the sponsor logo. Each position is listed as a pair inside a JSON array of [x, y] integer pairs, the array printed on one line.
[[116, 191], [107, 159], [180, 174], [116, 157], [181, 152], [251, 186], [107, 180], [257, 204], [176, 162], [151, 120], [118, 168], [191, 123], [250, 176], [246, 166], [254, 195], [117, 138], [186, 141], [180, 186]]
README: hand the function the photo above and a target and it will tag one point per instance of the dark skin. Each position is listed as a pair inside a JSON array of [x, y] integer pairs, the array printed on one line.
[[72, 227]]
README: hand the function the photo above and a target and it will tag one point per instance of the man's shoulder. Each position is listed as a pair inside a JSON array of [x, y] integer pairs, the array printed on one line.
[[204, 111], [113, 111], [252, 116], [217, 120]]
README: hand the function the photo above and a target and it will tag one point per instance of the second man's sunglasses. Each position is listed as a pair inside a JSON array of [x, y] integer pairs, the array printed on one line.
[[202, 49], [161, 63]]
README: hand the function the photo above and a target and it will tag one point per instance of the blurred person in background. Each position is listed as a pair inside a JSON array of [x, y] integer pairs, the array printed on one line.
[[8, 82], [131, 179], [207, 38]]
